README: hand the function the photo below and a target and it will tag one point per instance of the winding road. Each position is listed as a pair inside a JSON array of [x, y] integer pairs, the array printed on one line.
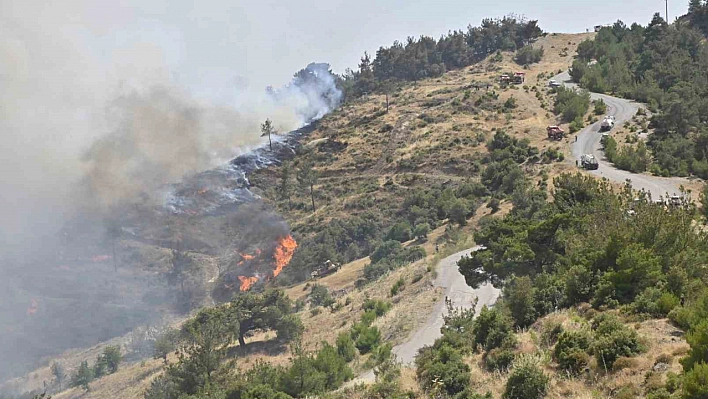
[[449, 277], [458, 292], [589, 143]]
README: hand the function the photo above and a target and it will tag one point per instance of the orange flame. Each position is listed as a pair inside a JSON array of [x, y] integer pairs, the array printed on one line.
[[34, 307], [246, 256], [247, 282], [283, 253]]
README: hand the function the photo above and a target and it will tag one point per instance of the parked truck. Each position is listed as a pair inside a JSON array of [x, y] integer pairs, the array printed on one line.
[[607, 123], [589, 162], [555, 133]]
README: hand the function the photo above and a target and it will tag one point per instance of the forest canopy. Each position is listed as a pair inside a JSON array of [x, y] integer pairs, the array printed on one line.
[[665, 66]]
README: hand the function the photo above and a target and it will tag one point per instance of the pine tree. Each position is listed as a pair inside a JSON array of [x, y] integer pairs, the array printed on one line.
[[266, 130], [83, 377], [694, 6]]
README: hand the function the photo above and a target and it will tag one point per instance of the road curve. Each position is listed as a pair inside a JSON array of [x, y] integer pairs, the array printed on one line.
[[588, 142], [457, 291]]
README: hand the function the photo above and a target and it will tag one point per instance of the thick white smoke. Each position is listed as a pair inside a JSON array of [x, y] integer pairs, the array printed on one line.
[[91, 115], [120, 122]]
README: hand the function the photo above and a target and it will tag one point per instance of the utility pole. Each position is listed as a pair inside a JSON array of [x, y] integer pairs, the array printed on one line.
[[667, 11]]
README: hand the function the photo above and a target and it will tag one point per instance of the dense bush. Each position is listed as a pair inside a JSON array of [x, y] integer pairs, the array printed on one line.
[[571, 351], [613, 340], [378, 306], [493, 328], [389, 256], [571, 105], [518, 296], [697, 338], [526, 381], [695, 382], [400, 231], [624, 257], [443, 364], [499, 359], [345, 346], [320, 296], [528, 55], [632, 158], [599, 107]]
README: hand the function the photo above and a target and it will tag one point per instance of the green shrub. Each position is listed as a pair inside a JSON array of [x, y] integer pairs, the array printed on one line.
[[571, 105], [666, 303], [550, 333], [400, 231], [320, 296], [697, 338], [397, 286], [345, 346], [599, 107], [386, 249], [612, 342], [499, 359], [571, 351], [695, 382], [528, 55], [444, 364], [526, 381], [518, 296], [493, 328], [368, 339], [660, 393], [421, 230], [576, 125], [378, 306]]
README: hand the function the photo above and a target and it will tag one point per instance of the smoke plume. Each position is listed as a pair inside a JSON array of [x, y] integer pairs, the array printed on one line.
[[86, 129]]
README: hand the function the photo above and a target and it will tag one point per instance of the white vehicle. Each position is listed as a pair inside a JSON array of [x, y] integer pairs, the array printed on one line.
[[588, 161], [553, 83], [608, 123]]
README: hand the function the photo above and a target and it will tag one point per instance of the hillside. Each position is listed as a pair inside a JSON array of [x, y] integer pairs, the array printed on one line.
[[438, 130], [398, 182]]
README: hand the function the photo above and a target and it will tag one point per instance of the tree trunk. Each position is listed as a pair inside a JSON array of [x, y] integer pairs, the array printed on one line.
[[312, 196], [290, 204], [270, 142], [241, 342], [387, 102]]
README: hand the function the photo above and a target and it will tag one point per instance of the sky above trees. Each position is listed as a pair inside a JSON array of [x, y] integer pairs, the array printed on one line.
[[220, 48]]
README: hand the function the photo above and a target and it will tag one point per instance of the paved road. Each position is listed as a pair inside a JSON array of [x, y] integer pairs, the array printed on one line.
[[457, 291], [589, 143]]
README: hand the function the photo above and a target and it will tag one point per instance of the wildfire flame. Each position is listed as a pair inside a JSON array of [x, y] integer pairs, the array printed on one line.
[[283, 253], [249, 256], [33, 308], [247, 282]]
